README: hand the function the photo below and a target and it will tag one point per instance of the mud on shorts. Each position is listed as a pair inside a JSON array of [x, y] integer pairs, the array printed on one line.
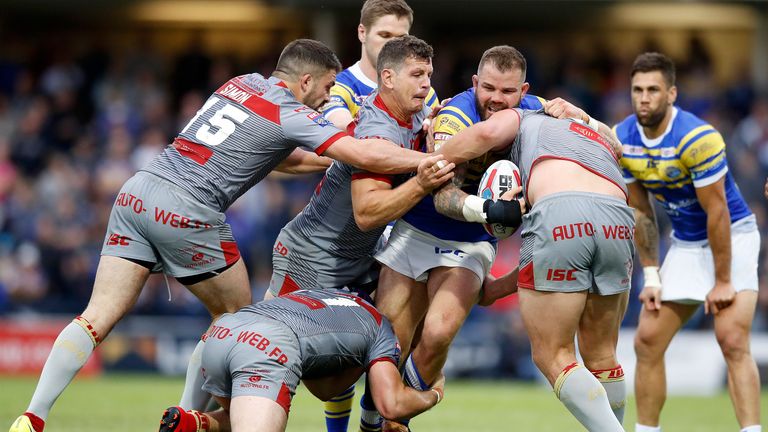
[[246, 354], [576, 241], [298, 264], [413, 253], [155, 221]]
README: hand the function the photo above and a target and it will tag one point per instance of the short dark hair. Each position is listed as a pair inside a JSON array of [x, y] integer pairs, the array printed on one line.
[[375, 9], [504, 58], [394, 53], [304, 56], [653, 61]]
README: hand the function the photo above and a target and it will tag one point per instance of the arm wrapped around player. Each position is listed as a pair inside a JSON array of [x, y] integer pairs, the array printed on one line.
[[507, 213]]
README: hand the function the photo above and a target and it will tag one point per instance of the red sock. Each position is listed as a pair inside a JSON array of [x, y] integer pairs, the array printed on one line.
[[36, 421]]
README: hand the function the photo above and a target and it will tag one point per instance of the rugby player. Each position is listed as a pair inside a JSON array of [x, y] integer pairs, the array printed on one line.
[[254, 359], [680, 160], [577, 252], [169, 217]]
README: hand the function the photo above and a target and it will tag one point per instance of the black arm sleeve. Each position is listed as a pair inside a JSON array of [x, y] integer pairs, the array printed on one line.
[[507, 213]]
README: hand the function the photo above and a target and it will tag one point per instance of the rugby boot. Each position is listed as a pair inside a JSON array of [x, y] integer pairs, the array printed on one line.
[[27, 422]]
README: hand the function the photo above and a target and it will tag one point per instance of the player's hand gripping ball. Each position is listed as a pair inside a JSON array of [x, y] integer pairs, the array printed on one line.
[[500, 177]]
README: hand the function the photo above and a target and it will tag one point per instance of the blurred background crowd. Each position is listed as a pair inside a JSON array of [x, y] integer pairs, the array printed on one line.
[[88, 99]]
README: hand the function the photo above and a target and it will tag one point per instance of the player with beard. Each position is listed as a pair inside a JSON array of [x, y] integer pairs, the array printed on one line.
[[416, 283], [680, 160]]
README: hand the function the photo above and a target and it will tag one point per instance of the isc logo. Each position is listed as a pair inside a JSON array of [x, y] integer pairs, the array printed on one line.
[[561, 274], [118, 240]]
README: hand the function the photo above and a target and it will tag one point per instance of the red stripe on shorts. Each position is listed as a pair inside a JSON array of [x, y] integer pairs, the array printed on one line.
[[284, 398], [525, 277], [231, 252]]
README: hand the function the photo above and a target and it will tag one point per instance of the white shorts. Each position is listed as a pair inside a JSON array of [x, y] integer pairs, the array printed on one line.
[[413, 253], [688, 271]]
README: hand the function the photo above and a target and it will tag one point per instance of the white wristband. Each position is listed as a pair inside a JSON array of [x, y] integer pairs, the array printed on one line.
[[651, 275], [473, 209], [593, 123]]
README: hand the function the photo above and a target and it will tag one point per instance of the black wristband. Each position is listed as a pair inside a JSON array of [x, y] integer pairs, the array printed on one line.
[[507, 213]]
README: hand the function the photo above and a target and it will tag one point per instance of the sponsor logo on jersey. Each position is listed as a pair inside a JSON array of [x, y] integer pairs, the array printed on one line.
[[318, 118], [668, 152], [633, 149], [439, 136]]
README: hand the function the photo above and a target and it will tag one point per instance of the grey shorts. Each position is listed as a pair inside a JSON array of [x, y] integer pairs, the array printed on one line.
[[250, 355], [155, 221], [576, 242], [297, 264]]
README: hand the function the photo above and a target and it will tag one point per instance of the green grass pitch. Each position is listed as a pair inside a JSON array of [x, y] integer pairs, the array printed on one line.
[[128, 403]]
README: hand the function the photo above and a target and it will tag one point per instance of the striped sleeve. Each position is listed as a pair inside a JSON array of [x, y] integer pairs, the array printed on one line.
[[432, 100], [342, 97], [702, 151], [449, 121]]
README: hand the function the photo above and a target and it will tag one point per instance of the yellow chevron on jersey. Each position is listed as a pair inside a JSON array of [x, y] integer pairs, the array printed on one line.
[[702, 149], [351, 89], [461, 113], [699, 154], [690, 154]]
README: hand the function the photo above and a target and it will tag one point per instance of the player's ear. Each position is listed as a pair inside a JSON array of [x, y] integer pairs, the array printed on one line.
[[672, 95], [387, 77], [524, 89], [475, 80], [361, 33], [305, 82]]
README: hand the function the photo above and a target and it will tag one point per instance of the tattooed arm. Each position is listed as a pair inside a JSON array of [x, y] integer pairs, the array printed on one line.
[[647, 241], [453, 202], [647, 233], [449, 198]]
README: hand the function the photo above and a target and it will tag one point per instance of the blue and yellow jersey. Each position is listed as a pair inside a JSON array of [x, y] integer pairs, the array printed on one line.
[[351, 89], [460, 113], [690, 154]]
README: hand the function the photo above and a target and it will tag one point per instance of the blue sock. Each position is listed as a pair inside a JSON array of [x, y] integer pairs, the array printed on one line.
[[337, 411], [413, 379], [370, 420]]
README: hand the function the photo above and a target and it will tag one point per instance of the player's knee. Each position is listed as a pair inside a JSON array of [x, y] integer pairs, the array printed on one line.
[[734, 345], [102, 321], [437, 337], [647, 346]]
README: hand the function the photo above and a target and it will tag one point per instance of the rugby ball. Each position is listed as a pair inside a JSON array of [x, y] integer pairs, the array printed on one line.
[[500, 177]]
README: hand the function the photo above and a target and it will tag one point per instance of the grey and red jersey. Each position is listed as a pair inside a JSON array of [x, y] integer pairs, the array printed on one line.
[[544, 137], [327, 223], [336, 331], [242, 132]]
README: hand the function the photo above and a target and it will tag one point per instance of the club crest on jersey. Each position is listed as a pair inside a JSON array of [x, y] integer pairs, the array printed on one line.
[[318, 118], [673, 172]]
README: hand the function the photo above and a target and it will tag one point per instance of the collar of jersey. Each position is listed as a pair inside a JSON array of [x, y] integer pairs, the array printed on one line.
[[378, 102], [648, 142], [358, 73]]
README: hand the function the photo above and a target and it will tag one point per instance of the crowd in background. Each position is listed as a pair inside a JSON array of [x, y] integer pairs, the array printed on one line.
[[75, 126]]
